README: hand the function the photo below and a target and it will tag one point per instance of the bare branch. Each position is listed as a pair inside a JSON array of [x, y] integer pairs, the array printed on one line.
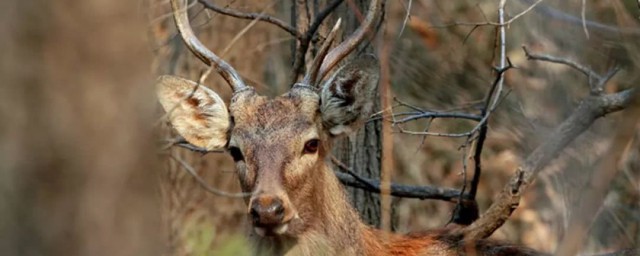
[[343, 49], [600, 181], [438, 134], [493, 100], [428, 114], [590, 109], [203, 183], [583, 14], [349, 178], [502, 23], [301, 51], [555, 14], [406, 17], [345, 168], [419, 113], [184, 144], [322, 15], [563, 16], [482, 135], [202, 52], [465, 214], [252, 16], [310, 78], [241, 33], [405, 191], [595, 80]]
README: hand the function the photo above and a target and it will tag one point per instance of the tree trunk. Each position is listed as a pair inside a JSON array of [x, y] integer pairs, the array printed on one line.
[[361, 151]]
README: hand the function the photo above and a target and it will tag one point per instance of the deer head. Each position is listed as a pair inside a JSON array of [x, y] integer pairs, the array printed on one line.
[[279, 145]]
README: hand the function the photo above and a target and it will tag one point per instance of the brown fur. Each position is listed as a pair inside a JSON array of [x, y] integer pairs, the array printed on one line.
[[274, 167], [271, 134]]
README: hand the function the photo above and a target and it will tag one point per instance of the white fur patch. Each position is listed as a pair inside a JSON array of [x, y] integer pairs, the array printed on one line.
[[259, 231]]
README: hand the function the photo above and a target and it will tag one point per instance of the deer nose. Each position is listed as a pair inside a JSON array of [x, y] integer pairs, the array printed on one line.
[[267, 211]]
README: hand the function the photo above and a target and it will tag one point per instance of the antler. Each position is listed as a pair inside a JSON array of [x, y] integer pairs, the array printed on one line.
[[312, 74], [197, 48], [347, 46]]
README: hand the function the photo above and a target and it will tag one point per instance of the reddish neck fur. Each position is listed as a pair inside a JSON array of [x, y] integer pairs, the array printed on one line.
[[336, 228]]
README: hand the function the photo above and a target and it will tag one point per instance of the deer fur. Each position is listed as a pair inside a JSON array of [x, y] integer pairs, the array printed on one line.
[[280, 147], [269, 138]]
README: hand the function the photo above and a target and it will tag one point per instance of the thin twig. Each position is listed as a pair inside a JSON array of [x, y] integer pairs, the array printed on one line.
[[428, 114], [551, 12], [591, 75], [489, 23], [477, 158], [184, 144], [406, 17], [494, 100], [203, 183], [596, 81], [350, 178], [303, 46], [397, 190], [252, 16], [458, 215], [466, 214], [348, 170], [583, 14], [590, 109], [242, 32]]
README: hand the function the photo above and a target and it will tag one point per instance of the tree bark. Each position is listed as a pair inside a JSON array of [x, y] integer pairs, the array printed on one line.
[[361, 151]]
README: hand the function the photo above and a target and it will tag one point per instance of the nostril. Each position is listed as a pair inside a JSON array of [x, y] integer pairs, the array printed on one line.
[[255, 214], [279, 211], [267, 211]]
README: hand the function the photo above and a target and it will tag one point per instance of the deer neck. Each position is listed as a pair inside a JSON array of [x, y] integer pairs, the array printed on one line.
[[333, 228], [337, 228]]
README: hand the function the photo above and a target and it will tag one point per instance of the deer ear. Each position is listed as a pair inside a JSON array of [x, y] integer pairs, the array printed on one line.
[[347, 98], [196, 112]]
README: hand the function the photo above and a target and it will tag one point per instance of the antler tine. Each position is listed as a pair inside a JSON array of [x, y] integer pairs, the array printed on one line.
[[202, 52], [312, 74], [347, 46]]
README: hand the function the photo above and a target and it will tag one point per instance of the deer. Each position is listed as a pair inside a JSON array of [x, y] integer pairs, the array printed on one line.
[[297, 206]]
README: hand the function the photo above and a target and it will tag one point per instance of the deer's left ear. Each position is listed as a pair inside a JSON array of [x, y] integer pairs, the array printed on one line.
[[346, 99], [196, 112]]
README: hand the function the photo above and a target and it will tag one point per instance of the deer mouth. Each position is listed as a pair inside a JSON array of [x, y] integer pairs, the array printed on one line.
[[276, 230], [290, 227]]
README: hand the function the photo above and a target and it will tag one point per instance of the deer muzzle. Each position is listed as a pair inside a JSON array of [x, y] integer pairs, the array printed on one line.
[[268, 215]]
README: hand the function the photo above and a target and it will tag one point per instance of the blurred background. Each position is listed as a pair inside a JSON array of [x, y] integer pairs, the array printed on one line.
[[83, 157]]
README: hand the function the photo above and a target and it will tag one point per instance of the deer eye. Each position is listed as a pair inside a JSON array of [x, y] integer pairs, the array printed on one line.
[[236, 154], [311, 146]]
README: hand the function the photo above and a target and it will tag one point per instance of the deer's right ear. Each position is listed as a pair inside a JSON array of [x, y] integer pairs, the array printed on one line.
[[347, 97], [196, 112]]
